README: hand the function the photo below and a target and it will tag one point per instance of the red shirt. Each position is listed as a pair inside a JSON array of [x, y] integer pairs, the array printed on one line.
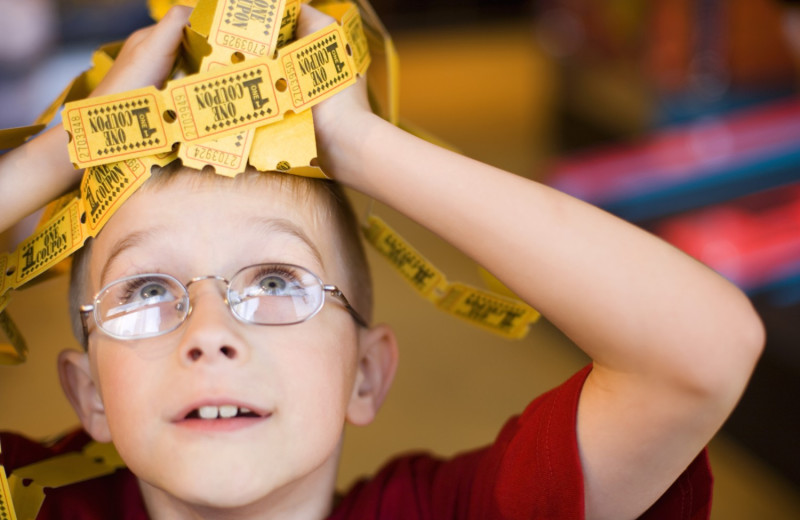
[[531, 471]]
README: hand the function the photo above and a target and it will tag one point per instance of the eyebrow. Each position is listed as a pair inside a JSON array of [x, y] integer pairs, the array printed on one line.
[[132, 240], [268, 225], [281, 225]]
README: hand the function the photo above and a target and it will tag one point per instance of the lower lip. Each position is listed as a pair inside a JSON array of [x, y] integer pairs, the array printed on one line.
[[221, 425]]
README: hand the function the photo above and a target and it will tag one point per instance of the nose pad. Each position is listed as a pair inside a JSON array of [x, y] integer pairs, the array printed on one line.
[[210, 332]]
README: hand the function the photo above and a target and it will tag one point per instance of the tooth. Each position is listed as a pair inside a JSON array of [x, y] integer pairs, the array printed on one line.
[[208, 412], [245, 410], [228, 410]]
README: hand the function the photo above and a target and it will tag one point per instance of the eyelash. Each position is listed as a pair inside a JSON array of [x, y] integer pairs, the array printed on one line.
[[288, 274], [133, 285]]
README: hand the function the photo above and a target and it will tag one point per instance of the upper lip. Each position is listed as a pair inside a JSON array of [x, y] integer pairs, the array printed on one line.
[[220, 401]]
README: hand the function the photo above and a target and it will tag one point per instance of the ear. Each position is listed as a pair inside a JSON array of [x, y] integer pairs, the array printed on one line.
[[79, 387], [377, 363]]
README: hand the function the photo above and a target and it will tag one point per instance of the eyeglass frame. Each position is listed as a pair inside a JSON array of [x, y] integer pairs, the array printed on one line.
[[333, 290]]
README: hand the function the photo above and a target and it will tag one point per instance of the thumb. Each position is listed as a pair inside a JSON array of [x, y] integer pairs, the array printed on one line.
[[311, 20]]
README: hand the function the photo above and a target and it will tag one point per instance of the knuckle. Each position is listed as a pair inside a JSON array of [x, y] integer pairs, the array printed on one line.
[[312, 20], [138, 36]]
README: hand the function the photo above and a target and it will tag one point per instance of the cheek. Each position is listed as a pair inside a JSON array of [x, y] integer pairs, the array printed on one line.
[[123, 383], [320, 381]]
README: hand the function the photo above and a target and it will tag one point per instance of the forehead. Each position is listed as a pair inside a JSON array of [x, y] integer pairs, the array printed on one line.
[[198, 224]]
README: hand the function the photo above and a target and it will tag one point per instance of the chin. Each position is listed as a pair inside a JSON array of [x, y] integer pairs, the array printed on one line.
[[212, 492]]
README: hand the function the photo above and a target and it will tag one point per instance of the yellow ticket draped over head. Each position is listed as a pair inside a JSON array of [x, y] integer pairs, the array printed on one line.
[[244, 97], [251, 75], [245, 29], [214, 104]]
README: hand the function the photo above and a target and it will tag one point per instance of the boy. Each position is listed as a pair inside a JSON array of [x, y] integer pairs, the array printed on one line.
[[217, 416]]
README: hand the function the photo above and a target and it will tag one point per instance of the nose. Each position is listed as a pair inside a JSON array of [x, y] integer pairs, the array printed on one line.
[[210, 334]]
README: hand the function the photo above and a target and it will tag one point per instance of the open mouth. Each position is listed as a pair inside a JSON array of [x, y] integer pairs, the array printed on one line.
[[226, 411]]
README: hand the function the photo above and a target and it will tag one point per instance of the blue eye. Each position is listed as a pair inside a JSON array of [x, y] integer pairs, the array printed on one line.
[[144, 289], [152, 290], [273, 285]]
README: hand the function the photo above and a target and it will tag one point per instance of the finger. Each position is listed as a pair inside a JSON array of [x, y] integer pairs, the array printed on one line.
[[167, 33], [148, 55], [311, 20]]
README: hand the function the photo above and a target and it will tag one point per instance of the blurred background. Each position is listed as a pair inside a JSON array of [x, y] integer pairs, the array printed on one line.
[[682, 116]]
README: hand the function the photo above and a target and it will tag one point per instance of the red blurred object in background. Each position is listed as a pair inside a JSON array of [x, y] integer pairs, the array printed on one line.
[[754, 241]]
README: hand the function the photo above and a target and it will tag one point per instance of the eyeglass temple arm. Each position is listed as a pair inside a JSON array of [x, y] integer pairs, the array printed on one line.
[[337, 293], [84, 311]]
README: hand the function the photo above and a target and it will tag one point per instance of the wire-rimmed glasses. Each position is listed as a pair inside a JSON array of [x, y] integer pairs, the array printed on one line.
[[151, 304]]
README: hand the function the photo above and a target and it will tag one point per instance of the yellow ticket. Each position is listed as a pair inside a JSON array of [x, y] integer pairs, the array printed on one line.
[[103, 452], [347, 14], [245, 29], [317, 68], [105, 187], [288, 146], [239, 30], [211, 104], [13, 137], [13, 349], [109, 128], [62, 236], [415, 268], [7, 511], [55, 207], [358, 46], [384, 66], [158, 8], [63, 470], [504, 316], [69, 220], [4, 276], [27, 484], [288, 27], [66, 224]]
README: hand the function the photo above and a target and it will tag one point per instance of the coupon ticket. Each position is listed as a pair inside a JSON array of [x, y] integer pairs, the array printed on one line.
[[208, 105]]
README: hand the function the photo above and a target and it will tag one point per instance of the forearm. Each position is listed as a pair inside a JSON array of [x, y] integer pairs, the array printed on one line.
[[633, 303], [34, 174], [40, 170]]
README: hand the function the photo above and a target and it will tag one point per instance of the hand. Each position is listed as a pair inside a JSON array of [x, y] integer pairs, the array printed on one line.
[[339, 122], [147, 56], [40, 170]]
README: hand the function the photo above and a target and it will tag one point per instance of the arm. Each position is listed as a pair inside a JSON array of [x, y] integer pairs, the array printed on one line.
[[673, 343], [37, 172]]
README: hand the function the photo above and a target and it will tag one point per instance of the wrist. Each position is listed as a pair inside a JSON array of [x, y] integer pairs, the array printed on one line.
[[344, 146]]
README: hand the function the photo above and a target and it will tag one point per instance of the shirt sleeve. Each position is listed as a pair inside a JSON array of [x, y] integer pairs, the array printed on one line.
[[531, 471], [534, 471]]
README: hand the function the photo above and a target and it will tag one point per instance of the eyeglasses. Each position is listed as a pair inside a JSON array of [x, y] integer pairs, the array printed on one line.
[[147, 305]]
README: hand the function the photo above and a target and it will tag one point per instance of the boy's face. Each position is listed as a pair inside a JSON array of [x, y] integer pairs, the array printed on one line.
[[299, 379]]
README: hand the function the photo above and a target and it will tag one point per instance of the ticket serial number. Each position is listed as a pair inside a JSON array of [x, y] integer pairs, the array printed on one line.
[[245, 45]]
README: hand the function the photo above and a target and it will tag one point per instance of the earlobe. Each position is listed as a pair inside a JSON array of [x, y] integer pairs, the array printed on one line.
[[377, 364], [76, 379]]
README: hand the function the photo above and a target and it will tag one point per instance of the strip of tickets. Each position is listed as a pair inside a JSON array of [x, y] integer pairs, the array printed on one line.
[[243, 30], [69, 221], [7, 510], [75, 218], [27, 485], [212, 104], [507, 317], [248, 103]]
